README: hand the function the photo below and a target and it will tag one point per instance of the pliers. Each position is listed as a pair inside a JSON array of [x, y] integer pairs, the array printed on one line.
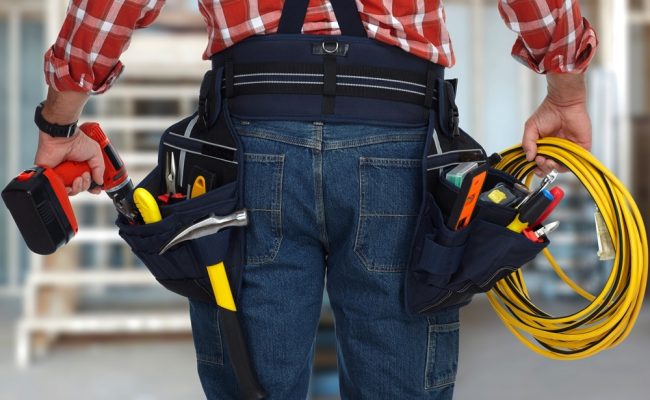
[[170, 197]]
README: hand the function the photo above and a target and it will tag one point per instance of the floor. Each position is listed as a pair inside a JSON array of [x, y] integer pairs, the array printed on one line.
[[493, 366]]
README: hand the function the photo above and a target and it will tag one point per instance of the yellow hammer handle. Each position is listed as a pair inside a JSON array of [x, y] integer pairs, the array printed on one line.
[[221, 287]]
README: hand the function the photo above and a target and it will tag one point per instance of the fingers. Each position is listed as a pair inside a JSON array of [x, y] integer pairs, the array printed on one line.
[[529, 141], [546, 165], [80, 184]]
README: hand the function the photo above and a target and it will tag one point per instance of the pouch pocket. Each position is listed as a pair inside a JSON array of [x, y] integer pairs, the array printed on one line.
[[449, 267], [445, 195], [182, 269], [200, 150]]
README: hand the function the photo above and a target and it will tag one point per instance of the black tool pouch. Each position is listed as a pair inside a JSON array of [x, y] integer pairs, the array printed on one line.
[[447, 267], [203, 144]]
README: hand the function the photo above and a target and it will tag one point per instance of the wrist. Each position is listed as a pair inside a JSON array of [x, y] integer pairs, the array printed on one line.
[[63, 108], [55, 130], [566, 89]]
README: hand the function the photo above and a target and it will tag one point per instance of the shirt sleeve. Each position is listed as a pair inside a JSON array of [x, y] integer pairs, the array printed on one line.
[[553, 35], [85, 56]]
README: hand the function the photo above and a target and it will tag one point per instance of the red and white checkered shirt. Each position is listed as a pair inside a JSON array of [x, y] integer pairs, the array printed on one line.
[[553, 36]]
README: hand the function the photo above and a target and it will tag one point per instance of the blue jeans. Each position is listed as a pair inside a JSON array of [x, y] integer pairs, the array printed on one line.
[[331, 205]]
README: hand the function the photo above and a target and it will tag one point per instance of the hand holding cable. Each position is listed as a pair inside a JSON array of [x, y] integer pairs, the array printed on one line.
[[611, 314], [563, 114]]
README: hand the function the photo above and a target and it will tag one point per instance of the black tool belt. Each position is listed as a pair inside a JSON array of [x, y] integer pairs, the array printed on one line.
[[339, 79]]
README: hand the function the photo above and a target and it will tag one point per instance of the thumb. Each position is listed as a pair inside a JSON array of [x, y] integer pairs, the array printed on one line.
[[529, 141]]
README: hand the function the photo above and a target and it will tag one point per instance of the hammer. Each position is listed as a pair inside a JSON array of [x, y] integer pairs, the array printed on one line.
[[234, 338]]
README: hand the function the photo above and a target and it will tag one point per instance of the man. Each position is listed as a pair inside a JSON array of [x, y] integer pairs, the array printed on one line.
[[321, 225]]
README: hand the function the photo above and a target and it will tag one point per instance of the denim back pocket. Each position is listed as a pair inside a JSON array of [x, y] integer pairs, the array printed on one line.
[[388, 206], [263, 200]]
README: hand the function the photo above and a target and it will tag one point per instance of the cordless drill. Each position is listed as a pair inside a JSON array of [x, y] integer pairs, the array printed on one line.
[[39, 203]]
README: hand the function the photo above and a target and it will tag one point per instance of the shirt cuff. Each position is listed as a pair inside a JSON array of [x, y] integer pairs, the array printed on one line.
[[557, 60], [60, 76]]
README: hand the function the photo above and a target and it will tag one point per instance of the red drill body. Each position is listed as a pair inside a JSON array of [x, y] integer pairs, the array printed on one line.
[[39, 203]]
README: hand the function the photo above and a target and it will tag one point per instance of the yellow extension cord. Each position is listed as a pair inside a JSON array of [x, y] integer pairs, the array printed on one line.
[[611, 314]]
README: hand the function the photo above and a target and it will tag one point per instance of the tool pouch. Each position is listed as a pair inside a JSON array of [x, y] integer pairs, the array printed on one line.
[[447, 267], [201, 146]]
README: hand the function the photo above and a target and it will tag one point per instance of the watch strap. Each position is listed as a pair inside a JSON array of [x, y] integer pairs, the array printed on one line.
[[53, 130]]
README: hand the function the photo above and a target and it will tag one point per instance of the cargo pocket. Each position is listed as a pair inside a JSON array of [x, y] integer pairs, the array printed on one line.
[[388, 205], [206, 333], [442, 350], [263, 200]]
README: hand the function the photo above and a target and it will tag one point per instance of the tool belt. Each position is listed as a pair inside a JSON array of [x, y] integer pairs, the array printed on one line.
[[215, 153], [328, 78]]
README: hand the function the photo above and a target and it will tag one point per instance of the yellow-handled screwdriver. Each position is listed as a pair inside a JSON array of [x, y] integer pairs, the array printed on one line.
[[147, 206], [531, 211]]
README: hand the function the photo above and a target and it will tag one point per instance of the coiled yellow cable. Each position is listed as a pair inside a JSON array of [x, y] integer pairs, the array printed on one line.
[[610, 315]]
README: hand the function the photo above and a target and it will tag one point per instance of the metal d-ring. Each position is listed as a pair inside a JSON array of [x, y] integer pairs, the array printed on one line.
[[330, 51]]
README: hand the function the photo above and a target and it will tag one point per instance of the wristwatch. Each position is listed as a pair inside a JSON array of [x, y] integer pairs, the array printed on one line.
[[53, 130]]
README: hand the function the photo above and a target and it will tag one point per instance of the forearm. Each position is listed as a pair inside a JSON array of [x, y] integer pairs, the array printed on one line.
[[65, 107]]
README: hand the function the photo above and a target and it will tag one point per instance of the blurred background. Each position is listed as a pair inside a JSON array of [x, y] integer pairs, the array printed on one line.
[[89, 322]]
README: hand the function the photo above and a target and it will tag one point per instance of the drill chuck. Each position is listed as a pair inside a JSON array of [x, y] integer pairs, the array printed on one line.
[[122, 197]]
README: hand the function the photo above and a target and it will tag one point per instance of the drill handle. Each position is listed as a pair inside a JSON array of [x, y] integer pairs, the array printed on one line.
[[114, 171], [68, 171]]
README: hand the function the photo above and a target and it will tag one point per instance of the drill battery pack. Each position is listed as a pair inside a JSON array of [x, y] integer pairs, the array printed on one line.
[[39, 203]]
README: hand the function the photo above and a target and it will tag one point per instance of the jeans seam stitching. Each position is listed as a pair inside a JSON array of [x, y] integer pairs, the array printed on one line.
[[370, 266], [280, 138], [317, 164], [218, 359], [342, 144], [276, 218], [393, 162], [386, 215], [432, 332]]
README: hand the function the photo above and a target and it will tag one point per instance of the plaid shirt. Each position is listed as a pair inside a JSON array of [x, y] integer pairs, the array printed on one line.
[[552, 35]]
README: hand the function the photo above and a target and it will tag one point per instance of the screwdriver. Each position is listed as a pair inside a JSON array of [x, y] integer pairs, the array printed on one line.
[[531, 211], [558, 195], [147, 206], [548, 179]]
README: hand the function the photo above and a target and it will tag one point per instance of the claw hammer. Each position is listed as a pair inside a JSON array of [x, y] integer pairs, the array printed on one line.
[[234, 338]]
